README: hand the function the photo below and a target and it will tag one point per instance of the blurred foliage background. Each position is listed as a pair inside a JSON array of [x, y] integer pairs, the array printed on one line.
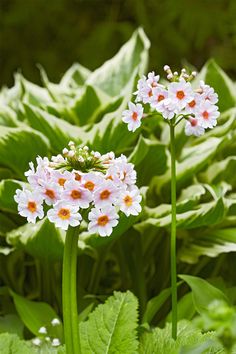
[[57, 33]]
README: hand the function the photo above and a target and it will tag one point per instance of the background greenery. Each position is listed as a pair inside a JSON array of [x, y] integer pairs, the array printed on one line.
[[57, 33]]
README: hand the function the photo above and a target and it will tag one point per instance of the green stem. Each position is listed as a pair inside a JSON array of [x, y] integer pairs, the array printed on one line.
[[69, 294], [173, 232]]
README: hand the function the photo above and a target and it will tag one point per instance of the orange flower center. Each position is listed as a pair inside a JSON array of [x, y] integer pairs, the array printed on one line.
[[75, 194], [50, 193], [150, 93], [89, 185], [103, 220], [77, 177], [128, 200], [180, 95], [135, 116], [160, 98], [105, 194], [32, 207], [64, 213], [192, 103], [205, 115], [61, 181], [109, 177]]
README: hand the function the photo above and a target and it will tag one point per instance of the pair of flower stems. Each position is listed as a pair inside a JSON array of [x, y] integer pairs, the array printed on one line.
[[69, 278]]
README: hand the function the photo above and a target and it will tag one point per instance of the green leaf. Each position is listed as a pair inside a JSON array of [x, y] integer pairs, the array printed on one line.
[[155, 304], [75, 76], [111, 327], [149, 158], [203, 292], [56, 130], [7, 191], [11, 343], [36, 315], [19, 146], [211, 243], [113, 76], [159, 341], [12, 324], [41, 240], [214, 76]]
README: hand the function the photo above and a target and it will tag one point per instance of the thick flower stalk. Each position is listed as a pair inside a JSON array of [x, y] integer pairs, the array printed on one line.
[[175, 101], [65, 186]]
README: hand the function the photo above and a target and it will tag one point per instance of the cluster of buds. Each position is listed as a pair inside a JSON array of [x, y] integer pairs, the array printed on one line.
[[76, 180], [44, 338], [175, 100]]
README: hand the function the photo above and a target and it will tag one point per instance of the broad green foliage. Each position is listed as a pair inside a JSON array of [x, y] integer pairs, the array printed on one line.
[[87, 107], [111, 328], [159, 341]]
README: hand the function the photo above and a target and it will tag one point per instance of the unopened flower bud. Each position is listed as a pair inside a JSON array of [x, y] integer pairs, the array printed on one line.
[[55, 322], [65, 151], [36, 341], [71, 153], [42, 330], [166, 67], [71, 143]]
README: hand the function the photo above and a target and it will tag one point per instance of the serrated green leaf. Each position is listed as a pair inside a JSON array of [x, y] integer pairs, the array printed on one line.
[[111, 327], [11, 343]]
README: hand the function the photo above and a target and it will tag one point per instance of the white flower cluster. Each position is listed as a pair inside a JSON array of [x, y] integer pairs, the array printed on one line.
[[77, 180], [45, 338], [177, 99]]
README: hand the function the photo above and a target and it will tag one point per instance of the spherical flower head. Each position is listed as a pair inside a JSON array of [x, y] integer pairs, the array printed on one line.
[[75, 194], [106, 194], [63, 215], [208, 93], [133, 116], [207, 114], [180, 93], [193, 127], [102, 220], [130, 202], [29, 204]]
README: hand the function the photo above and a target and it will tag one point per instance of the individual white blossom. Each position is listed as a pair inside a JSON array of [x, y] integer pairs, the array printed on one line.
[[193, 127], [29, 204], [76, 194], [133, 116], [102, 220], [63, 215], [55, 322], [207, 114], [130, 202]]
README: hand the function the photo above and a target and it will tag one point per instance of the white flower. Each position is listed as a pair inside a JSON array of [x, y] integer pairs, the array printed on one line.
[[207, 114], [193, 127], [41, 173], [61, 177], [105, 194], [42, 330], [50, 191], [37, 341], [55, 322], [168, 109], [180, 93], [130, 202], [133, 116], [91, 180], [193, 105], [75, 194], [102, 221], [159, 94], [29, 204], [56, 342], [208, 93], [64, 214], [123, 170]]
